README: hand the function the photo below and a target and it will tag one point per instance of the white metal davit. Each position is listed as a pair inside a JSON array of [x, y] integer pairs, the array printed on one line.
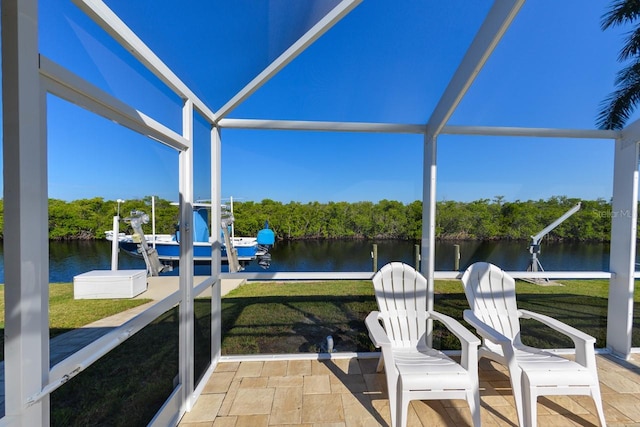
[[534, 247]]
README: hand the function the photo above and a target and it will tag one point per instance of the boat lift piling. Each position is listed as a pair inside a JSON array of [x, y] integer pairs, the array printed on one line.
[[374, 257], [456, 257], [153, 221], [114, 242]]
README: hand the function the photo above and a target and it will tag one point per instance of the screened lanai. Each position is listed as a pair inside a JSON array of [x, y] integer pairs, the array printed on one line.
[[188, 97]]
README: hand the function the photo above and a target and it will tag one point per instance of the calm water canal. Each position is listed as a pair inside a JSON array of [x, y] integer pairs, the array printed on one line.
[[68, 259]]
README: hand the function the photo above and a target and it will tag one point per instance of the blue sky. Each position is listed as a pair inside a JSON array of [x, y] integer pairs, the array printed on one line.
[[383, 63]]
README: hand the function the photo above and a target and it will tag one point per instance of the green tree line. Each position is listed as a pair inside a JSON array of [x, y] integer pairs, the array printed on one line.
[[479, 220]]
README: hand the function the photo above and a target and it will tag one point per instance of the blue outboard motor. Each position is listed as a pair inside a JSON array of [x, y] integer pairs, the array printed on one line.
[[266, 239], [266, 236]]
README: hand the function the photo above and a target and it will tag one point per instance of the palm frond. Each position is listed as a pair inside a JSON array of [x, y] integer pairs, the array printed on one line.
[[621, 11], [618, 106], [616, 109], [628, 75], [632, 46]]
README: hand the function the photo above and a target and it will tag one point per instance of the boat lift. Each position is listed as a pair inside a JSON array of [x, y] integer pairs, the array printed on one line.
[[226, 223], [534, 247], [150, 255]]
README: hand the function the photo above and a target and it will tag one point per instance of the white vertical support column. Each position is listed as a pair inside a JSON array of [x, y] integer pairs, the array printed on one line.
[[216, 254], [186, 356], [427, 262], [624, 216], [114, 242], [26, 250], [153, 220]]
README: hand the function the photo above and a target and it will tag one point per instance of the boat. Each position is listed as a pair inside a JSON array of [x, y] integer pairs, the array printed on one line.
[[166, 247]]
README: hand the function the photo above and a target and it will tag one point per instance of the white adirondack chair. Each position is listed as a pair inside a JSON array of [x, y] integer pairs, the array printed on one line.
[[413, 369], [491, 295]]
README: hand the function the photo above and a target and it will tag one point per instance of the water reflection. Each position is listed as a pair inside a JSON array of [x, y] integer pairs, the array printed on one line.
[[568, 256], [356, 255], [68, 259]]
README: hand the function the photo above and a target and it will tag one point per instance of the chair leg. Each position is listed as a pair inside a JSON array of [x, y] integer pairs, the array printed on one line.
[[402, 409], [473, 398], [597, 399], [393, 385], [516, 385], [393, 402], [530, 402]]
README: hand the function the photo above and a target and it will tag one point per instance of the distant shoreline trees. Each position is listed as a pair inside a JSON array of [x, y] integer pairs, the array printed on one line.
[[478, 220], [482, 219]]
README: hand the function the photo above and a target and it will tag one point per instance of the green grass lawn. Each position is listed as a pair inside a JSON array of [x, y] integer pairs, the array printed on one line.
[[580, 303], [297, 317], [128, 386], [66, 313]]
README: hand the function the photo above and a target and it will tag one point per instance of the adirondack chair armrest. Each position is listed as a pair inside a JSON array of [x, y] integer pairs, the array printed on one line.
[[468, 341], [456, 328], [376, 332], [584, 343], [490, 334], [487, 332], [575, 334]]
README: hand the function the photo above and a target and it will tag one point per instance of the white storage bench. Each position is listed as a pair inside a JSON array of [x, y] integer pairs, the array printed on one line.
[[107, 284]]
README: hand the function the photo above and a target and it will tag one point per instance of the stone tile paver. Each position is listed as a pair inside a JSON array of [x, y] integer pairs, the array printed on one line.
[[350, 393]]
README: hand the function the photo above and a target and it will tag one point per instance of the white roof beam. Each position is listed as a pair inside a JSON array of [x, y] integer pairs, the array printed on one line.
[[631, 134], [321, 126], [416, 129], [530, 132], [493, 28], [114, 26], [322, 26], [66, 85]]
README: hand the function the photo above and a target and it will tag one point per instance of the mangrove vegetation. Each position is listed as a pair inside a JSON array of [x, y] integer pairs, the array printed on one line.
[[478, 220]]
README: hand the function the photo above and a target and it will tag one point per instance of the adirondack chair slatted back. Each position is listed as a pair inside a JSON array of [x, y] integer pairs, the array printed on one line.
[[492, 297], [401, 293]]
